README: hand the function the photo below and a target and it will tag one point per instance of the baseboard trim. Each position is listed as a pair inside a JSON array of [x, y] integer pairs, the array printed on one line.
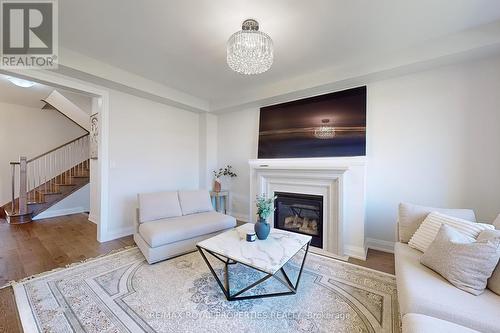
[[380, 245], [325, 253], [118, 234], [357, 252], [240, 217], [59, 212], [92, 219]]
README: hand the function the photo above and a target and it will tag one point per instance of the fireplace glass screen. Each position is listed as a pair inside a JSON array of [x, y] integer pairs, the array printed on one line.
[[300, 213]]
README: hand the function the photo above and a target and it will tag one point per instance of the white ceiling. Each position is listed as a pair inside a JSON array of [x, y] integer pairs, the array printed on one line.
[[30, 97], [181, 43]]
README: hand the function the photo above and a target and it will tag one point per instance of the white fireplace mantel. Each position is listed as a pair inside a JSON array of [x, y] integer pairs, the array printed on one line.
[[341, 182]]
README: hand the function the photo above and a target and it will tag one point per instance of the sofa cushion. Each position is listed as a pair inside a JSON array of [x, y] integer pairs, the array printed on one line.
[[411, 216], [193, 202], [420, 290], [418, 323], [494, 280], [466, 263], [158, 205], [161, 232], [428, 230]]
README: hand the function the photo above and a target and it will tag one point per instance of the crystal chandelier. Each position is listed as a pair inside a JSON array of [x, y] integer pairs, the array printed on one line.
[[250, 51], [324, 131]]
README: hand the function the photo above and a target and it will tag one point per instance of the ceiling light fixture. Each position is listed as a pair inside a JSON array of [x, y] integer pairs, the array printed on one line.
[[20, 82], [250, 51], [325, 131]]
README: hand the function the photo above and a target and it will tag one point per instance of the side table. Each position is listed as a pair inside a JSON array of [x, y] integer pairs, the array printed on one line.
[[220, 198]]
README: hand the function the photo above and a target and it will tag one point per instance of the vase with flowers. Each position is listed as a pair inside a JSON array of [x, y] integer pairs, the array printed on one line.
[[265, 207], [222, 172]]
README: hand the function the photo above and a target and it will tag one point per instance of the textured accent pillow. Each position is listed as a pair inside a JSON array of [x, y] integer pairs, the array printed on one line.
[[496, 223], [158, 205], [428, 230], [411, 216], [494, 280], [467, 265], [193, 202]]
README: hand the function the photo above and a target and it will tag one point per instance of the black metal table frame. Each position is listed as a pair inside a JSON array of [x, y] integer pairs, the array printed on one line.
[[226, 289]]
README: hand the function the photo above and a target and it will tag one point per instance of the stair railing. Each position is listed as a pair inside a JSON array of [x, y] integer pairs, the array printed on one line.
[[45, 172]]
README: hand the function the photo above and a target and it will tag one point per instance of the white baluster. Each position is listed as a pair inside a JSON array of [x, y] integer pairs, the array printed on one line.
[[31, 170], [28, 179], [63, 163], [56, 161], [39, 173], [33, 175], [45, 173], [52, 168]]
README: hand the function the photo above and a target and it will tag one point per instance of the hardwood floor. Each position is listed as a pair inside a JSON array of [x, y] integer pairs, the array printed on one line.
[[9, 319], [41, 246], [47, 244], [377, 260]]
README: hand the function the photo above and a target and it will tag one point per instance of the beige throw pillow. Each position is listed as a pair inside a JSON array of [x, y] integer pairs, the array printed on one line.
[[410, 217], [467, 265], [494, 280], [496, 223], [158, 205], [428, 230]]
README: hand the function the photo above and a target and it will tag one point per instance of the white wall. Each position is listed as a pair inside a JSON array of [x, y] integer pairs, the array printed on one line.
[[84, 102], [76, 202], [152, 147], [237, 143], [69, 109], [482, 190], [432, 138], [30, 132], [208, 149]]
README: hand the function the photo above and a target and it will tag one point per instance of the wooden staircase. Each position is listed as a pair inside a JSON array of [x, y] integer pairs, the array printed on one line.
[[41, 182]]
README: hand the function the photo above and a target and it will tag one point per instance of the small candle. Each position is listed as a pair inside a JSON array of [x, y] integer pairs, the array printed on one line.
[[251, 237]]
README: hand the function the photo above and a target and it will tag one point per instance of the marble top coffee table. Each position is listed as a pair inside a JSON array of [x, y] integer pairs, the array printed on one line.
[[266, 256]]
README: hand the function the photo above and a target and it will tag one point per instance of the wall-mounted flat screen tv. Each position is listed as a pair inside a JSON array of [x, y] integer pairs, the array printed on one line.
[[322, 126]]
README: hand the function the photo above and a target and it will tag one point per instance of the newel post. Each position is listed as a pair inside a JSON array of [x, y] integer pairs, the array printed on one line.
[[23, 186]]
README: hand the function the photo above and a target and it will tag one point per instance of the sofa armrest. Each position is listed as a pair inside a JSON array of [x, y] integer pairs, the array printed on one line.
[[137, 219], [396, 232]]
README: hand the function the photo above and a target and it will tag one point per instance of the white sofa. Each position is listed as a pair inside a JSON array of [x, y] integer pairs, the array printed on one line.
[[418, 323], [429, 303], [171, 223]]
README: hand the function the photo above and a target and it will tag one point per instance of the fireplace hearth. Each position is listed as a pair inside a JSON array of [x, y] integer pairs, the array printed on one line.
[[300, 213]]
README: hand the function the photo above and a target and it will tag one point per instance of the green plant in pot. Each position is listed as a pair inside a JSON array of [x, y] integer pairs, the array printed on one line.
[[218, 174], [265, 207]]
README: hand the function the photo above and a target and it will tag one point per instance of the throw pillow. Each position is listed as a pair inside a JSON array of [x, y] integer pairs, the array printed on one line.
[[428, 230], [467, 265], [410, 217], [494, 280], [496, 223], [158, 205]]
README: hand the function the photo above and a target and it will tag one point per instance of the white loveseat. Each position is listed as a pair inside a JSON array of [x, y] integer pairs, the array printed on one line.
[[171, 223], [429, 303]]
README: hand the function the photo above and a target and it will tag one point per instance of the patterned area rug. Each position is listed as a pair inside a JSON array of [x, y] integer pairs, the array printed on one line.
[[122, 293]]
